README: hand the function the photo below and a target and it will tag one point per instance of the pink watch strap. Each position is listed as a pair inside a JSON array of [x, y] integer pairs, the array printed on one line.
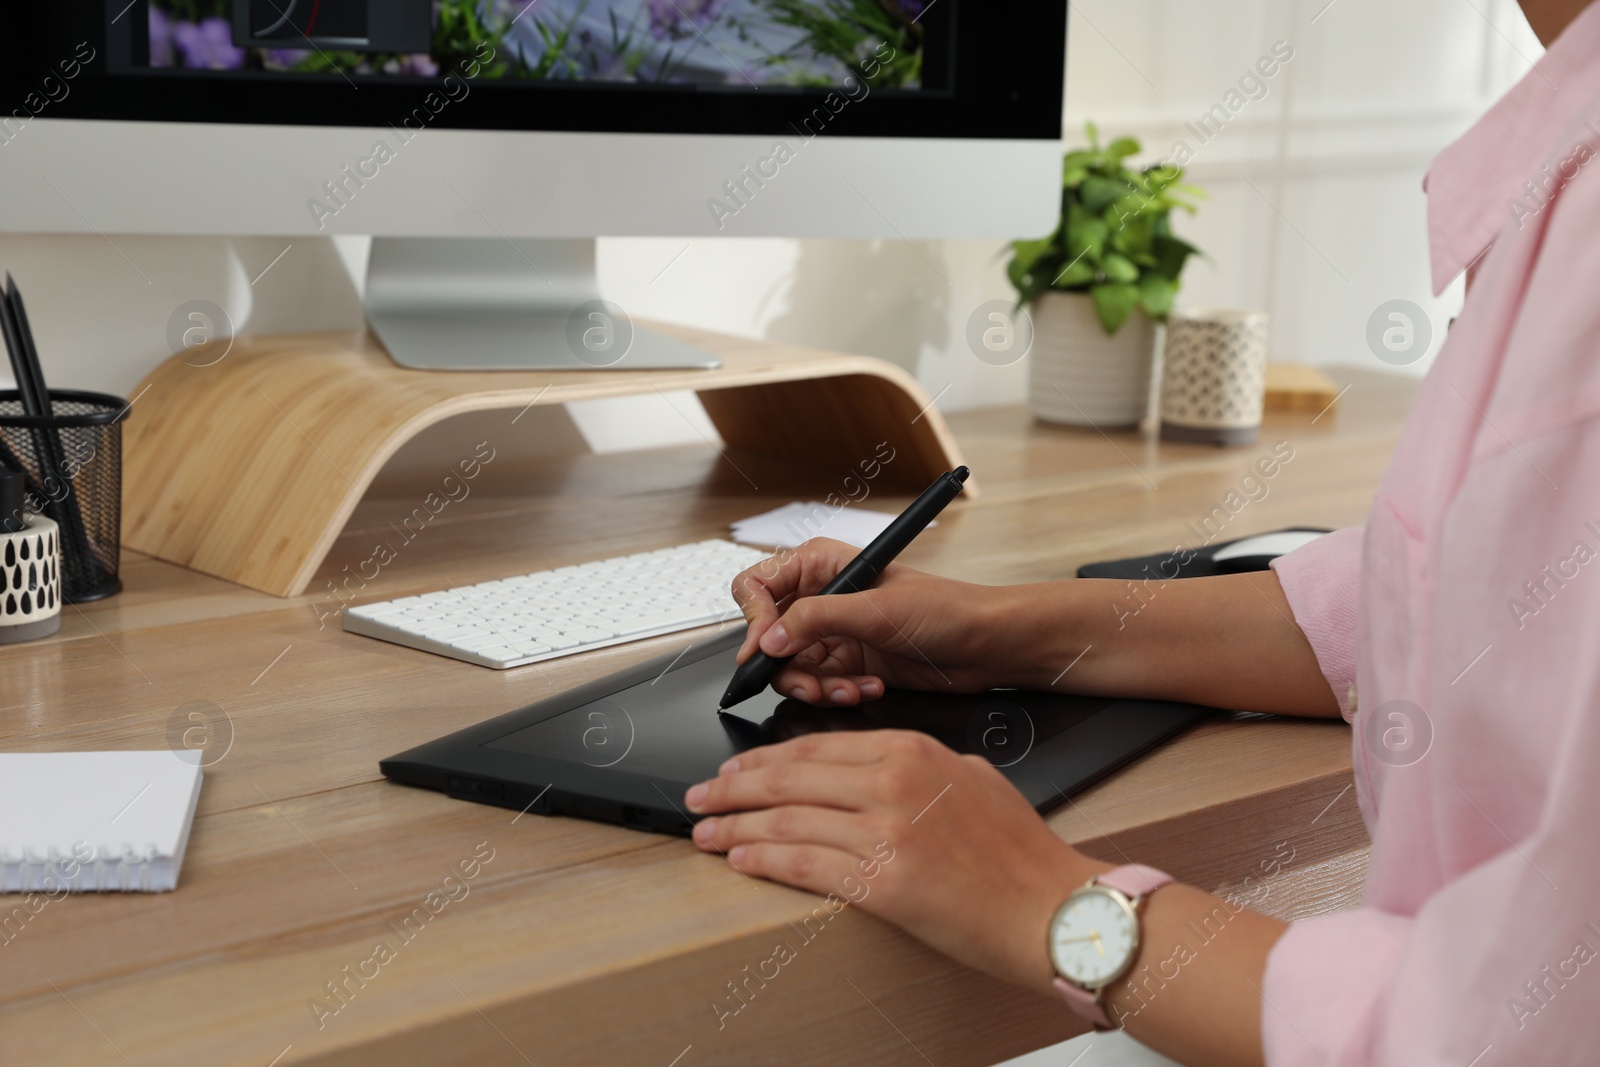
[[1083, 1003], [1133, 881]]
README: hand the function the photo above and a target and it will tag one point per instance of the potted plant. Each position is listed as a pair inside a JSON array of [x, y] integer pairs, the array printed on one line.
[[1099, 285]]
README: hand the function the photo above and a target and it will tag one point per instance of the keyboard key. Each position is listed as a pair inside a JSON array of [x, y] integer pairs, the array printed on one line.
[[675, 619], [451, 634]]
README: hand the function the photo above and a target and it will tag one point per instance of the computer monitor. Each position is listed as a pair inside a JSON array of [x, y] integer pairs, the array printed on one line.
[[486, 143]]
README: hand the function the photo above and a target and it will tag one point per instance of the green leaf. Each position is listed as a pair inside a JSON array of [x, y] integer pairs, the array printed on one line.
[[1163, 175], [1122, 148], [1098, 192], [1173, 197], [1156, 295], [1086, 235], [1078, 275], [1171, 253], [1074, 165], [1025, 253], [1093, 133], [1133, 239], [1113, 303], [1138, 204], [1118, 269]]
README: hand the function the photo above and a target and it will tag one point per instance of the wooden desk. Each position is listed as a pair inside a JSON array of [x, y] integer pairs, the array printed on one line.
[[580, 943]]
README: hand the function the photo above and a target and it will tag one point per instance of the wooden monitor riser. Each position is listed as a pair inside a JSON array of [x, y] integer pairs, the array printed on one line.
[[247, 468]]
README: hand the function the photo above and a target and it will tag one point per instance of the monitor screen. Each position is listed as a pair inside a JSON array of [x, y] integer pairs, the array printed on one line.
[[874, 68], [738, 44]]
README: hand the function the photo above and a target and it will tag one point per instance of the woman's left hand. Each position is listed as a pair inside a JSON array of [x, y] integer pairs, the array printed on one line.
[[893, 821]]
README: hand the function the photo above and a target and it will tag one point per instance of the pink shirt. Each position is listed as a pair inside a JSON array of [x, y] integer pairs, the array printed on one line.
[[1475, 618]]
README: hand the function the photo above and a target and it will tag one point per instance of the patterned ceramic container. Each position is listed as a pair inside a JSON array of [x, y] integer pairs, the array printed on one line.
[[1214, 377], [30, 582]]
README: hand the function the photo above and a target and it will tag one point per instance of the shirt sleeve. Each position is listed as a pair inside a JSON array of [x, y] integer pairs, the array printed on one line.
[[1315, 989], [1320, 579]]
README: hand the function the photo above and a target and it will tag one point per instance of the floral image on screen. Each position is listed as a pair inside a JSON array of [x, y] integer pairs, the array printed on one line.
[[734, 43]]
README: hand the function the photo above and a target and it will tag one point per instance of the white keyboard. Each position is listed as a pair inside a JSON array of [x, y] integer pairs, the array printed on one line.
[[539, 616]]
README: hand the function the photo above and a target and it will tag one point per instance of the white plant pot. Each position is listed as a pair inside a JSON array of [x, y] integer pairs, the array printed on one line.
[[1081, 377]]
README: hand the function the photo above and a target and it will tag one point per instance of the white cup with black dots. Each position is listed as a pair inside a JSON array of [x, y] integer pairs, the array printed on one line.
[[1213, 378], [30, 581]]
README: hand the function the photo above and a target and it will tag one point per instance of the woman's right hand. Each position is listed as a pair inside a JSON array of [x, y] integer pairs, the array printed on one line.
[[911, 630]]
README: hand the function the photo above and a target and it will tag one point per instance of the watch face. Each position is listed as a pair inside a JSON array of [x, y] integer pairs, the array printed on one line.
[[1094, 937]]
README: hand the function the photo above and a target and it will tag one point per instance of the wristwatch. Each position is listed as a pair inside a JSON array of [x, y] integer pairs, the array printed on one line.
[[1094, 936]]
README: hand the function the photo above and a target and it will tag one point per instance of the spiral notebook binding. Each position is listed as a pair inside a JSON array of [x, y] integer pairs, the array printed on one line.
[[34, 869], [133, 869], [129, 869], [27, 868]]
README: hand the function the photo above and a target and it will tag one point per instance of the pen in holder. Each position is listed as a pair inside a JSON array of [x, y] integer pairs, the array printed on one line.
[[72, 460], [30, 566]]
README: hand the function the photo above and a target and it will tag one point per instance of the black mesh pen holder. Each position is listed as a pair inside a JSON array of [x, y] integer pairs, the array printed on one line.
[[73, 463]]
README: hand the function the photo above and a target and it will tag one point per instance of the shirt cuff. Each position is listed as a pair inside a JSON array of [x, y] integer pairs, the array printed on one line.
[[1323, 980], [1320, 579]]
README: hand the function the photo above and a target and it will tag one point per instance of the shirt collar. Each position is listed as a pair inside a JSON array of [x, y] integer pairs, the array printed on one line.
[[1475, 184]]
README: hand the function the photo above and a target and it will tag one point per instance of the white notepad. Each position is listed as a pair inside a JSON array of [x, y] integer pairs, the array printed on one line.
[[116, 821], [793, 524]]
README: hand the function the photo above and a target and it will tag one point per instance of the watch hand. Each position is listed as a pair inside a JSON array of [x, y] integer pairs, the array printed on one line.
[[1072, 940], [1098, 947]]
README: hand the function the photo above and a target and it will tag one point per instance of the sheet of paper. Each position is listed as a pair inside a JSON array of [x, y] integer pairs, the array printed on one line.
[[793, 524]]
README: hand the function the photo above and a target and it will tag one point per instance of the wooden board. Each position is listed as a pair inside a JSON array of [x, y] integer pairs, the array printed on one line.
[[1296, 387], [248, 467]]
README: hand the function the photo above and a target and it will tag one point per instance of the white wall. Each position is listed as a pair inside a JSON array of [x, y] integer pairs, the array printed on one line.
[[1315, 209], [1315, 212]]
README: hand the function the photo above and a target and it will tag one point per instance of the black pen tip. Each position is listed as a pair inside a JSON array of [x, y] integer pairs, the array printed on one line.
[[960, 474]]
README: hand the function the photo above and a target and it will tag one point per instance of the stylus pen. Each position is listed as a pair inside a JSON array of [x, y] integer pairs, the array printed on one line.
[[14, 349], [19, 367], [757, 672], [35, 394], [61, 502]]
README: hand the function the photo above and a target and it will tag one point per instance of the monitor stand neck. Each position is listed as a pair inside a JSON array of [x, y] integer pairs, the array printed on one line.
[[492, 303]]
